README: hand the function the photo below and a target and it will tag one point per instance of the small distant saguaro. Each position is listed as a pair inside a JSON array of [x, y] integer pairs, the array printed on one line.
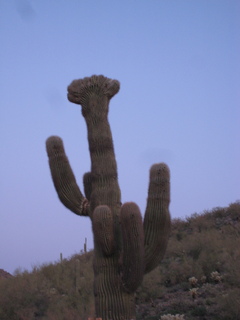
[[125, 247]]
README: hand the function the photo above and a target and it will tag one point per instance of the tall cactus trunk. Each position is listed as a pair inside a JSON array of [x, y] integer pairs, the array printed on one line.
[[122, 254], [111, 301]]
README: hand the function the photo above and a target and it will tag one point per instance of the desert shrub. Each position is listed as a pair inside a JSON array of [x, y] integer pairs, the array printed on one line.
[[193, 293], [180, 305], [211, 246], [231, 271], [178, 227], [48, 292], [230, 306], [151, 287], [199, 311], [172, 317], [234, 210], [195, 246], [216, 277], [23, 297], [219, 212], [178, 271]]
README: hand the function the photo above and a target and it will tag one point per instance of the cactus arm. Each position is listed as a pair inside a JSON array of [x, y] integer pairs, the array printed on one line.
[[103, 229], [64, 179], [87, 184], [157, 222], [133, 246]]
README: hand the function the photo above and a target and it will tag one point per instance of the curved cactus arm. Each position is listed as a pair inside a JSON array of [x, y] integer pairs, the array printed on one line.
[[157, 222], [64, 179], [102, 224], [133, 246]]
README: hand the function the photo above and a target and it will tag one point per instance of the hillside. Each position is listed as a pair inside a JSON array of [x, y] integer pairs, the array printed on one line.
[[198, 278], [4, 274]]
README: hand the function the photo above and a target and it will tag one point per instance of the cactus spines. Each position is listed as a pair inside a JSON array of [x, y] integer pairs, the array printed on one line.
[[124, 247]]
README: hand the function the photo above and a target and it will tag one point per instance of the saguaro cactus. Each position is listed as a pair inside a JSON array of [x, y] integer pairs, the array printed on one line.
[[125, 247]]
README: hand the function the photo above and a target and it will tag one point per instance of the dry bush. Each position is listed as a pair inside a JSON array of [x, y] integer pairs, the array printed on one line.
[[178, 271], [23, 297], [193, 281], [230, 305], [172, 317], [48, 292], [151, 287]]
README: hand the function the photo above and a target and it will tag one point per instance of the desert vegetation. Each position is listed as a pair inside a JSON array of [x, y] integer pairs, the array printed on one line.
[[197, 279]]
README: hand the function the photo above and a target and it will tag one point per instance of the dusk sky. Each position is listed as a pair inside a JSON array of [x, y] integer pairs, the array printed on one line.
[[179, 102]]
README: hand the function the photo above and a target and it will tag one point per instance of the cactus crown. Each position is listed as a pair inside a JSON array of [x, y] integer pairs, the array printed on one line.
[[91, 91]]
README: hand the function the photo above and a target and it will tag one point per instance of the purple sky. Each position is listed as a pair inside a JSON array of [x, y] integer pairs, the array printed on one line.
[[179, 68]]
